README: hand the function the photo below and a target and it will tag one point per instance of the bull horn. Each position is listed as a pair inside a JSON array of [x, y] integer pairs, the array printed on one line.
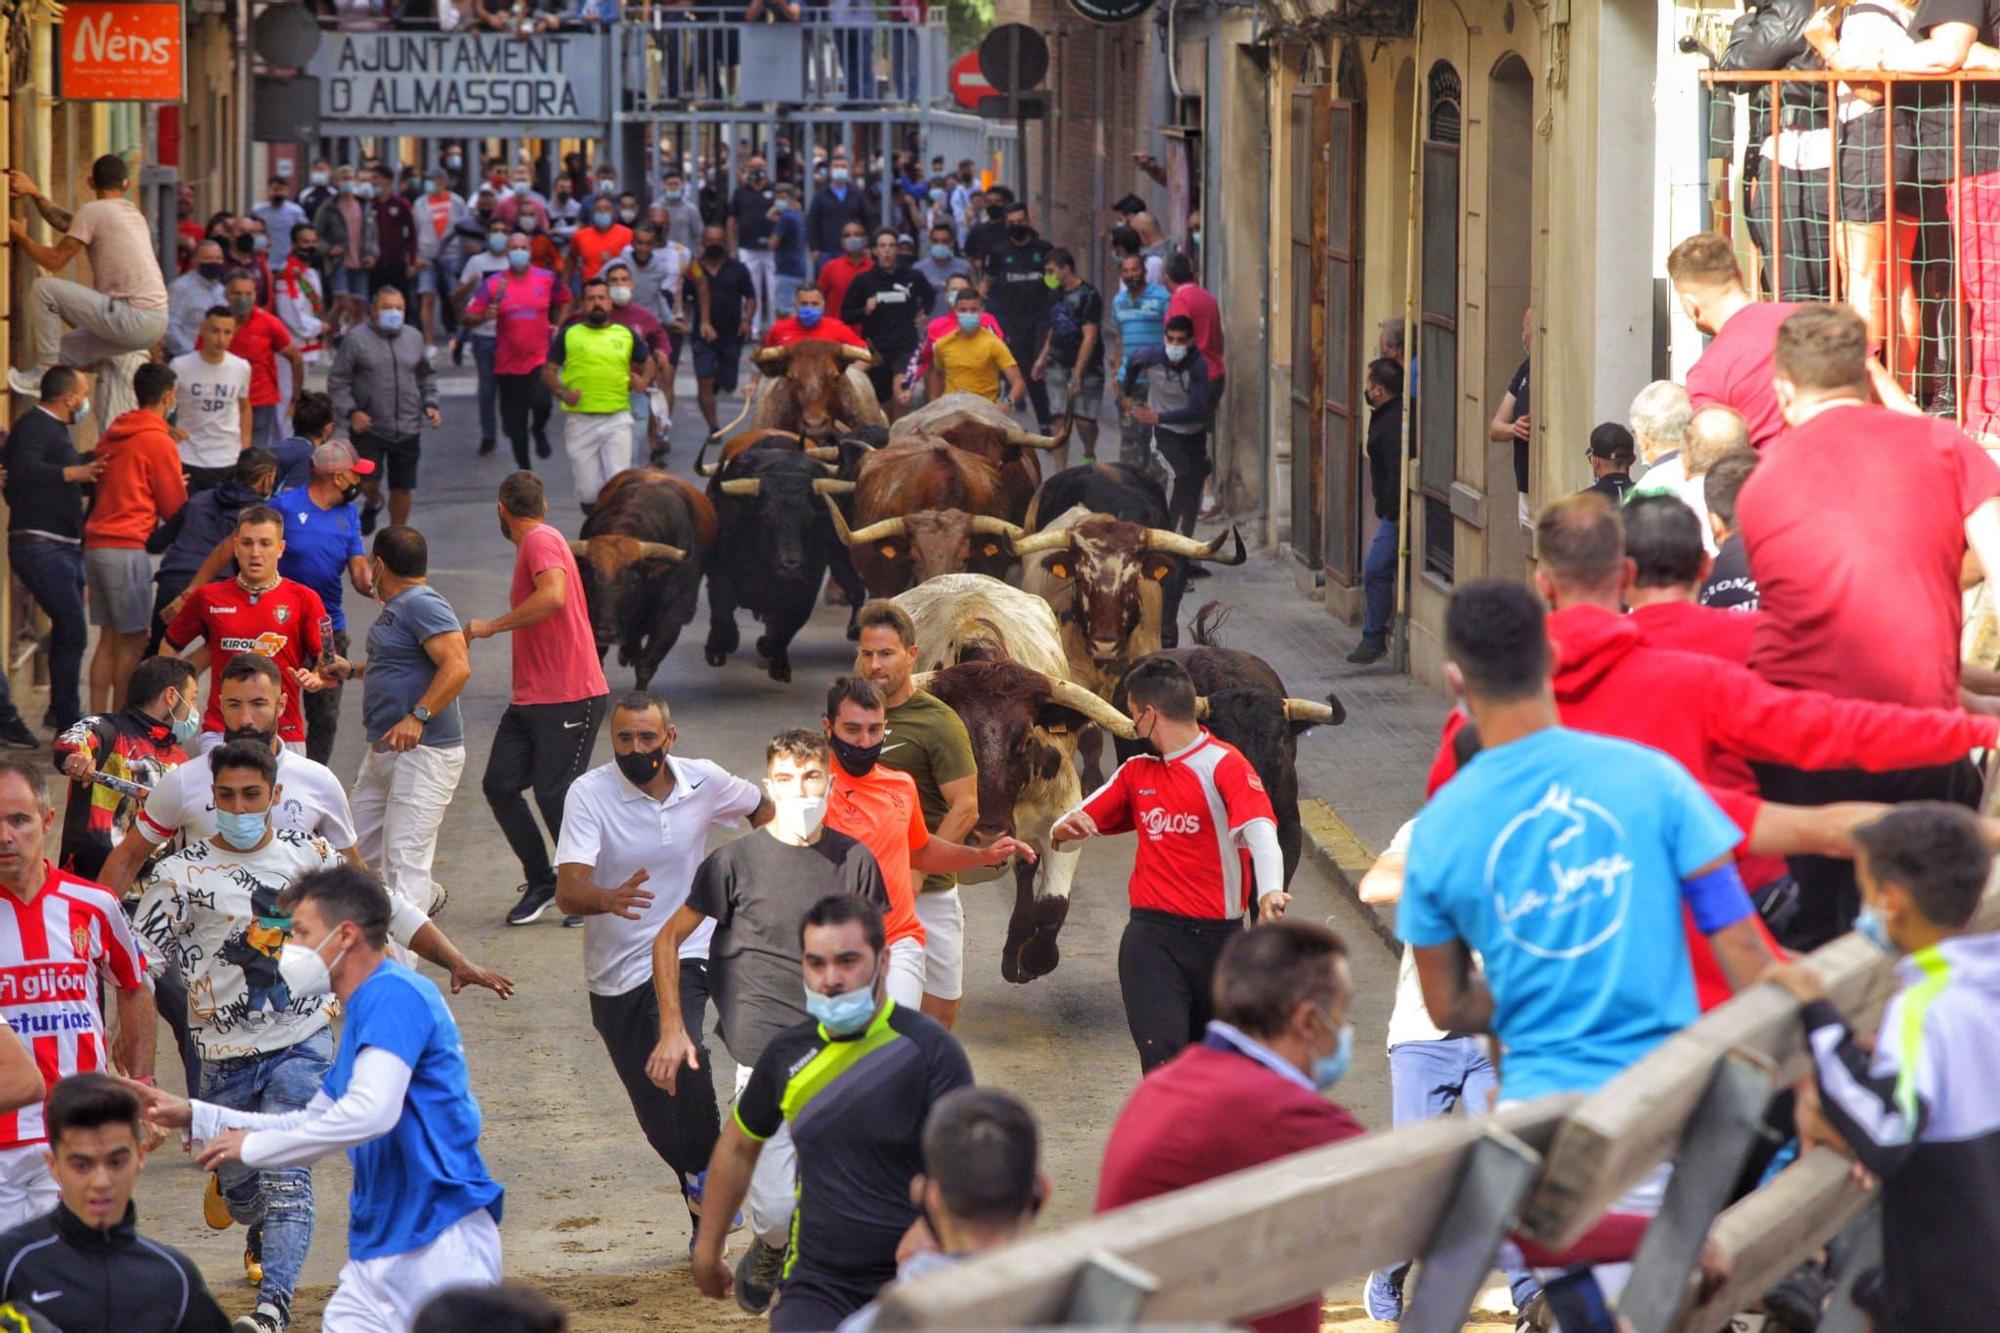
[[1027, 439], [825, 453], [1173, 543], [849, 352], [1041, 541], [1072, 695], [832, 486], [661, 551], [999, 527], [1314, 713], [874, 532], [708, 469], [770, 356], [579, 549], [1201, 707], [742, 486], [921, 680]]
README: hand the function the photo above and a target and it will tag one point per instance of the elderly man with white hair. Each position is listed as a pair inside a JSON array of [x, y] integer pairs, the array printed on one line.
[[1661, 418]]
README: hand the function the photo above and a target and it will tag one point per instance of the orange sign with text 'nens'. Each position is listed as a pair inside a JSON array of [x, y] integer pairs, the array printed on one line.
[[121, 52]]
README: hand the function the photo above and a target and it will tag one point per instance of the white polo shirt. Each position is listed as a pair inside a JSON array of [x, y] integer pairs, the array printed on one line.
[[614, 828], [310, 801]]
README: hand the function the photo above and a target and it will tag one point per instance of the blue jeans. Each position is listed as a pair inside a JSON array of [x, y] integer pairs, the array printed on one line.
[[263, 426], [53, 573], [1428, 1079], [280, 1198], [785, 294], [1378, 582], [489, 388]]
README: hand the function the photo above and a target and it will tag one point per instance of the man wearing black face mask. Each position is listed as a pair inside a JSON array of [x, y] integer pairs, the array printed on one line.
[[989, 228], [1020, 299], [633, 832], [323, 544], [750, 234]]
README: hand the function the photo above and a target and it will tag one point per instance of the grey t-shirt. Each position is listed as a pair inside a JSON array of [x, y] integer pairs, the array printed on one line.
[[937, 273], [755, 890], [399, 670]]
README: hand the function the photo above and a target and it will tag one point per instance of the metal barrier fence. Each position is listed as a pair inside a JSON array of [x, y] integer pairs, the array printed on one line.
[[711, 57], [1451, 1190], [1881, 190]]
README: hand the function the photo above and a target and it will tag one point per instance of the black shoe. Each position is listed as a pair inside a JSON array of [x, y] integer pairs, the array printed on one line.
[[542, 449], [572, 922], [1797, 1302], [50, 722], [14, 735], [757, 1275], [458, 351], [658, 458], [487, 446], [1368, 650], [535, 900], [369, 513]]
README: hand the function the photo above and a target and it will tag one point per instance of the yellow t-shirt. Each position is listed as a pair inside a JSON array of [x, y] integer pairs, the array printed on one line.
[[972, 363]]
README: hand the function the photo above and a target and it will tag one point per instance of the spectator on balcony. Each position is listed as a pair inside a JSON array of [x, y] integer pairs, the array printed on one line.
[[751, 223], [521, 18], [279, 215], [853, 21], [123, 310], [346, 225], [1785, 203], [683, 215], [190, 297], [833, 209], [788, 250]]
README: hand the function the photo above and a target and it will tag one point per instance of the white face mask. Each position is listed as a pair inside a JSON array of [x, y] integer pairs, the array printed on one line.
[[306, 975], [799, 817]]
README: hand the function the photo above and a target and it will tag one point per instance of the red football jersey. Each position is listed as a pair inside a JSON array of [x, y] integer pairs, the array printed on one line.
[[50, 951], [287, 624], [1188, 808]]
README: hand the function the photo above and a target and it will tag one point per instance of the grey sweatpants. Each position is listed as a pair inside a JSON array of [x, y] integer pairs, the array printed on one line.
[[101, 327]]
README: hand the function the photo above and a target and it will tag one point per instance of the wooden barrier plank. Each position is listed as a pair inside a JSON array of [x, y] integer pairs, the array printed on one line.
[[1241, 1245], [1765, 1234]]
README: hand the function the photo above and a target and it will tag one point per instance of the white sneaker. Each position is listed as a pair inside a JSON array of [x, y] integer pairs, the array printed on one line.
[[440, 895], [25, 381], [430, 352]]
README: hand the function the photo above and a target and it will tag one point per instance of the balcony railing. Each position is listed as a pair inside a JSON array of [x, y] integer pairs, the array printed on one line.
[[709, 57], [1881, 190]]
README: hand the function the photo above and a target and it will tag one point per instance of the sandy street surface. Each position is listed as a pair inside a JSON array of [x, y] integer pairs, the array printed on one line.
[[591, 1215]]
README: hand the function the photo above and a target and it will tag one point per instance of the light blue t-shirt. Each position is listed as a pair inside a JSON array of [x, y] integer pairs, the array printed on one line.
[[1560, 857], [425, 1174], [400, 671], [1141, 320]]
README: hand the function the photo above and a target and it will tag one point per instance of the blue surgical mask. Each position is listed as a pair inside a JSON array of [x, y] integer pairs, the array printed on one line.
[[518, 260], [968, 321], [389, 320], [1328, 1070], [940, 253], [188, 725], [497, 242], [1869, 926], [601, 221], [1177, 352], [246, 830], [810, 315], [845, 1014], [841, 175]]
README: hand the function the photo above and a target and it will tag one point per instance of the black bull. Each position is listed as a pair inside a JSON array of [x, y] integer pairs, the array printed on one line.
[[640, 560], [772, 553]]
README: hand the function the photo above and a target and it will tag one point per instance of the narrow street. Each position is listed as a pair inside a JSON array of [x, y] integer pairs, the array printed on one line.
[[591, 1214]]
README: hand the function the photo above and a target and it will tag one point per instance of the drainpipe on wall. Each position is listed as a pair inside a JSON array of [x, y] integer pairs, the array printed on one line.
[[246, 188], [1399, 656]]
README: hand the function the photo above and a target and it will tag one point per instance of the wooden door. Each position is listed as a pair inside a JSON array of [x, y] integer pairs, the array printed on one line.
[[1343, 431]]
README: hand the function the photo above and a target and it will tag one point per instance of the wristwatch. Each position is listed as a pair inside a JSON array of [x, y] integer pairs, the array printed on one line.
[[421, 713]]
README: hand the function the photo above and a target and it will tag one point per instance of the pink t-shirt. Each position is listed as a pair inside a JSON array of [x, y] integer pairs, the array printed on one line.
[[1198, 305], [1735, 369], [555, 659], [522, 325]]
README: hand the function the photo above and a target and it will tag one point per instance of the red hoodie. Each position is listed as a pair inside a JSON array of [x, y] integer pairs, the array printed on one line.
[[141, 485], [1699, 709], [1689, 627]]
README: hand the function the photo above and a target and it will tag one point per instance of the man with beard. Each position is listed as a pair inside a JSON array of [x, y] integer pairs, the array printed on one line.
[[593, 367]]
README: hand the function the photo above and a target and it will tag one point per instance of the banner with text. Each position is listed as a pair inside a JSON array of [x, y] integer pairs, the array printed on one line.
[[469, 80]]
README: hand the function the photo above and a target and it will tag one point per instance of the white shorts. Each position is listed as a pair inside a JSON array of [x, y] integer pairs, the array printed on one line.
[[943, 915], [774, 1184], [384, 1295], [906, 973], [27, 1190]]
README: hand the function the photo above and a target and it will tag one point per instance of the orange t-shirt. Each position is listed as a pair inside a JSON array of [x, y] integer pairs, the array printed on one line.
[[883, 814], [593, 247]]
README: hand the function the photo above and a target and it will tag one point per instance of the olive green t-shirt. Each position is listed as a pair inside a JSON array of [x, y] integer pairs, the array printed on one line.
[[925, 739]]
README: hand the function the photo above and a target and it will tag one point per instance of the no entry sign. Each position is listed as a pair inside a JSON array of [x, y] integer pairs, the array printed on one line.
[[968, 85]]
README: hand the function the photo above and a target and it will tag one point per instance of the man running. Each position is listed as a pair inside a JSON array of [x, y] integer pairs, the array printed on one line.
[[632, 836], [423, 1214], [855, 1084], [61, 933], [750, 892], [881, 808], [211, 911], [592, 369], [1189, 879], [926, 740], [134, 747], [544, 737]]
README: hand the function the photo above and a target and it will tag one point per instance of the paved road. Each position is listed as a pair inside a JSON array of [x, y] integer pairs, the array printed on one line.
[[585, 1195]]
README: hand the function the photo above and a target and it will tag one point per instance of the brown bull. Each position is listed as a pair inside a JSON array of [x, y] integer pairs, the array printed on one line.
[[817, 389], [922, 509], [978, 426]]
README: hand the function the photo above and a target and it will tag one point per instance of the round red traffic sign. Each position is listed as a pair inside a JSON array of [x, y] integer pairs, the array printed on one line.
[[968, 85]]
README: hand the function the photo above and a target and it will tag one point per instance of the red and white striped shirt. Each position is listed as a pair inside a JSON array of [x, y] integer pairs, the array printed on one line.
[[1190, 809], [50, 950]]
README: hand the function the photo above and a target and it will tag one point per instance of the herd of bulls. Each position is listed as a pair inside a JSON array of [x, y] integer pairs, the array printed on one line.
[[1032, 598]]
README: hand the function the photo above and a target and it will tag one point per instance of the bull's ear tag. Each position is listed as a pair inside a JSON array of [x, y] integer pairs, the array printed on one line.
[[1058, 569], [888, 550]]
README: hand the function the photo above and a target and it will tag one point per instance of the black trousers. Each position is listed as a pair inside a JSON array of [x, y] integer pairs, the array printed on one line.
[[166, 587], [524, 400], [811, 1302], [543, 747], [683, 1126], [1829, 899], [322, 710], [1187, 455], [1026, 345], [1165, 965], [200, 479]]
